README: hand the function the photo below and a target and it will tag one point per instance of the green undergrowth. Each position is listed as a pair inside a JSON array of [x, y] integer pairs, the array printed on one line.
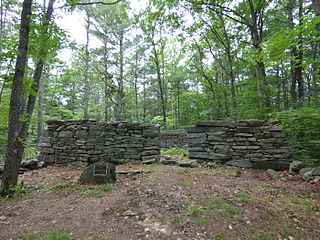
[[17, 191], [175, 151], [86, 190], [53, 235], [200, 211], [302, 128], [242, 195], [96, 191]]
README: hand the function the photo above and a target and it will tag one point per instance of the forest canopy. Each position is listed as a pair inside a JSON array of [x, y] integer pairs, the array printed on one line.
[[170, 63]]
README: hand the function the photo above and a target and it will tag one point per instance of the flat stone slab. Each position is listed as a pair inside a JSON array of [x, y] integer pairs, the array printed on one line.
[[188, 163], [275, 165], [240, 163], [216, 123], [168, 161], [149, 161]]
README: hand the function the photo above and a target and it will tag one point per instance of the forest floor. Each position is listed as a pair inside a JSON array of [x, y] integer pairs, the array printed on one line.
[[163, 202]]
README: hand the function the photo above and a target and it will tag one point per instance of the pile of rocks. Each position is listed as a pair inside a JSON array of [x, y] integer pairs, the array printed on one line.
[[26, 165], [298, 167], [82, 142], [169, 140], [249, 144]]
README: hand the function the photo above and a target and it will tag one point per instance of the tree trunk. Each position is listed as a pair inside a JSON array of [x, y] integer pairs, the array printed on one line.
[[14, 149], [119, 108], [40, 113], [161, 87], [18, 130], [315, 73], [144, 101], [256, 30], [316, 5], [106, 80], [86, 73], [315, 55], [278, 96], [3, 13], [136, 87], [297, 82]]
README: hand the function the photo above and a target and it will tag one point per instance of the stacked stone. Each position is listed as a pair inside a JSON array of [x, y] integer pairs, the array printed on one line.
[[82, 142], [249, 143], [169, 140]]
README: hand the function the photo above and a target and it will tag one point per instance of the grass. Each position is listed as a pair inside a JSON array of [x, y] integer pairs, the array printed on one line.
[[221, 205], [175, 151], [197, 211], [17, 191], [186, 184], [265, 216], [264, 236], [198, 214], [64, 188], [302, 204], [60, 186], [219, 172], [243, 196], [220, 236], [177, 219], [53, 235], [212, 165], [28, 236], [96, 191], [206, 173], [287, 231], [234, 174]]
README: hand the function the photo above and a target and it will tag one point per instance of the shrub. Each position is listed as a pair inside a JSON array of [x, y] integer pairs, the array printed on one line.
[[175, 151], [302, 128]]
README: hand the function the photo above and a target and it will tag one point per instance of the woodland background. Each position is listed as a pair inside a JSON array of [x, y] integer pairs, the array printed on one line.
[[173, 63]]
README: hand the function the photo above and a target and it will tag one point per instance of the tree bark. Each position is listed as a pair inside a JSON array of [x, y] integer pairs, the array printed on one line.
[[86, 72], [40, 113], [107, 77], [136, 86], [297, 81], [18, 129], [14, 149], [120, 96], [316, 5], [160, 84], [316, 58]]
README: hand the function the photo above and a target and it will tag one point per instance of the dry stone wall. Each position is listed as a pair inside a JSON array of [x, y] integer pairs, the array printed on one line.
[[250, 143], [82, 142], [169, 140]]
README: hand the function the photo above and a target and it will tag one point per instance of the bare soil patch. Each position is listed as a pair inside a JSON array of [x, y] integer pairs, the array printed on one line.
[[164, 202]]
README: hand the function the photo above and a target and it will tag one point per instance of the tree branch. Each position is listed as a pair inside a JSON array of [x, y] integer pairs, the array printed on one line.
[[90, 3]]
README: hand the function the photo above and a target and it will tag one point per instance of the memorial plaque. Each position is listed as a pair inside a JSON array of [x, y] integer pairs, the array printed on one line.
[[100, 169], [99, 173]]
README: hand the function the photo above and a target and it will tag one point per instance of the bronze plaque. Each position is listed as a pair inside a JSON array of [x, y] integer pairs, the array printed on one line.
[[100, 169]]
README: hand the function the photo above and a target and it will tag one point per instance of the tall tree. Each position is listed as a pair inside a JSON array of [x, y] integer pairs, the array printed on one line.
[[15, 134], [20, 115], [86, 70]]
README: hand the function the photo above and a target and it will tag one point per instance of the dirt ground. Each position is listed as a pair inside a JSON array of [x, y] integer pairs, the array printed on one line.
[[164, 202]]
